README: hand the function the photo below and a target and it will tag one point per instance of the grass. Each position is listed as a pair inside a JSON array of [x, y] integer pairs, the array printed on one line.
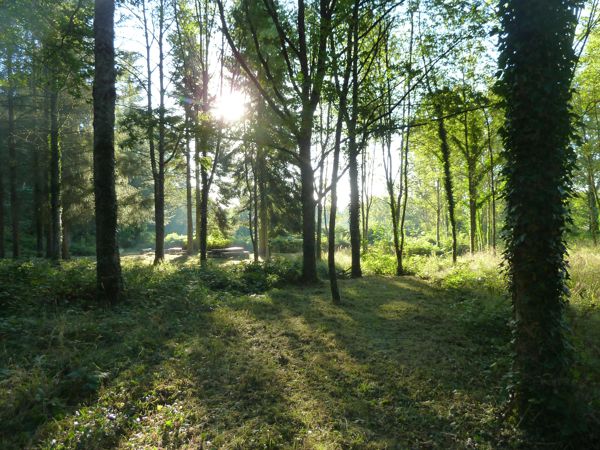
[[235, 358]]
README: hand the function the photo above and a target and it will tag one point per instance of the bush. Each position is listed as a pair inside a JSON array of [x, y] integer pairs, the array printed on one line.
[[250, 277], [175, 240], [377, 261], [286, 244], [217, 241]]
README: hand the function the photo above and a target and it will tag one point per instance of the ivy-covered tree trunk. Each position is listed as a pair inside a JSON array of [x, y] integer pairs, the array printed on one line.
[[448, 184], [536, 64], [108, 267]]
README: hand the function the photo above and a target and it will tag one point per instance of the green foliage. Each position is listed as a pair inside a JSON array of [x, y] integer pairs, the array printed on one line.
[[175, 240], [188, 358], [286, 244]]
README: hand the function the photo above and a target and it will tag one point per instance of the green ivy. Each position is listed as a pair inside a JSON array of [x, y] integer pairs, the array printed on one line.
[[536, 67]]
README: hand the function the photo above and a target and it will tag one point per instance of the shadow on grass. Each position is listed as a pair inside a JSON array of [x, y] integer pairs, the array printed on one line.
[[399, 365]]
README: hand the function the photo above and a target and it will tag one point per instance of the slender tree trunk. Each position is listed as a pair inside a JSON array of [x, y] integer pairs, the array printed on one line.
[[448, 185], [37, 203], [389, 175], [203, 212], [354, 210], [333, 284], [593, 207], [65, 241], [252, 198], [472, 205], [309, 258], [55, 175], [263, 207], [159, 200], [108, 267], [492, 181], [2, 251], [198, 145], [256, 225], [404, 195], [319, 242], [188, 195], [12, 160], [438, 212]]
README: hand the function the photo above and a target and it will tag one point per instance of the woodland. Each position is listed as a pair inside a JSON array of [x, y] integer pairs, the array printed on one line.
[[300, 224]]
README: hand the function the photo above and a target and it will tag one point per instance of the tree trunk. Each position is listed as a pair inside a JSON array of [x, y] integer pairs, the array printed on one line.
[[12, 160], [405, 197], [263, 214], [472, 206], [492, 182], [354, 210], [55, 200], [309, 258], [188, 198], [203, 213], [108, 267], [2, 251], [445, 151], [37, 204], [159, 202], [203, 169], [319, 242], [593, 208], [65, 241], [438, 212], [198, 144], [537, 62], [333, 284]]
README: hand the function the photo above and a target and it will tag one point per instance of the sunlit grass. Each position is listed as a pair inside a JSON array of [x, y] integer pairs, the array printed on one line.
[[412, 362]]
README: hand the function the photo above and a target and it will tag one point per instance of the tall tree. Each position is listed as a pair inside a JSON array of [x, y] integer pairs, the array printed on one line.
[[108, 267], [304, 49], [536, 61]]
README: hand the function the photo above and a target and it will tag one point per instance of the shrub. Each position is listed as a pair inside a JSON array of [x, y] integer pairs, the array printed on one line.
[[286, 244], [175, 240]]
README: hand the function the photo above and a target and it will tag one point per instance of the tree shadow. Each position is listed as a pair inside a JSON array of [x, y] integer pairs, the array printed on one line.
[[407, 373], [178, 367]]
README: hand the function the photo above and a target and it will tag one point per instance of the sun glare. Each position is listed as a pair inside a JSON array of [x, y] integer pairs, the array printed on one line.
[[230, 107]]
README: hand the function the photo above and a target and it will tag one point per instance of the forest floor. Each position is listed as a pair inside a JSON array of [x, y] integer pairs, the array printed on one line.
[[190, 361]]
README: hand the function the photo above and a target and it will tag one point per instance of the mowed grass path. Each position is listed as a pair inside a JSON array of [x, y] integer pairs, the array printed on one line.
[[400, 365]]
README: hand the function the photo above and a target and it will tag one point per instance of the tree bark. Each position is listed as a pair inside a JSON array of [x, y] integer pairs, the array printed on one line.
[[2, 251], [537, 60], [55, 174], [263, 207], [448, 185], [65, 241], [188, 195], [108, 266], [309, 258], [12, 159], [492, 182], [353, 151], [159, 197], [37, 191]]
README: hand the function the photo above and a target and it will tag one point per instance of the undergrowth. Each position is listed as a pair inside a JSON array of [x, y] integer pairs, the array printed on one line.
[[242, 356]]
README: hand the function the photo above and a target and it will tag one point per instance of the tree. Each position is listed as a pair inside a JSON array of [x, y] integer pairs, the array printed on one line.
[[308, 47], [108, 264], [536, 61]]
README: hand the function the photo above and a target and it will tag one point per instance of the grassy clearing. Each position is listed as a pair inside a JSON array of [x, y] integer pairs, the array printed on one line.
[[232, 358]]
